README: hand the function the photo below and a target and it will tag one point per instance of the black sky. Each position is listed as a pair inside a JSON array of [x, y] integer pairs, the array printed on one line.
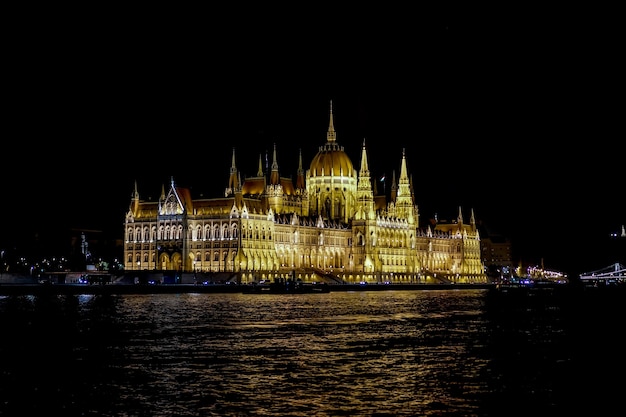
[[516, 119]]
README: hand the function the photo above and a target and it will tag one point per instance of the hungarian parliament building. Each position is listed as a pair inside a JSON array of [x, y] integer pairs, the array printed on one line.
[[330, 225]]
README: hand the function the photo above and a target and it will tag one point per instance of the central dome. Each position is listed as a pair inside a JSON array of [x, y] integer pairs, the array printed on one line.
[[331, 160]]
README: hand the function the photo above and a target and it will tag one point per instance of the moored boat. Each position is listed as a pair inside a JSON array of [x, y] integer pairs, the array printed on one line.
[[289, 286]]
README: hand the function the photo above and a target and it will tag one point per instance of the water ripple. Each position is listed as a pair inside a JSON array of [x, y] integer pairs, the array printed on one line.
[[378, 353]]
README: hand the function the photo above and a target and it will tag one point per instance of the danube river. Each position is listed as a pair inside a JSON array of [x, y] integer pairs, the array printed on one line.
[[469, 352]]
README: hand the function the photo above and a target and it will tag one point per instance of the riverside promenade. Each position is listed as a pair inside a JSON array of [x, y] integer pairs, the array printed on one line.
[[30, 286], [74, 284], [112, 289]]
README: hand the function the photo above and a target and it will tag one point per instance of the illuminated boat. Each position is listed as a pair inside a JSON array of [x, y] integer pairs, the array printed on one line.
[[281, 286]]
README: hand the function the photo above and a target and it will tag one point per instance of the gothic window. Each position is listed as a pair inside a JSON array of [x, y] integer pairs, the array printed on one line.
[[130, 234], [145, 257], [207, 257], [171, 206]]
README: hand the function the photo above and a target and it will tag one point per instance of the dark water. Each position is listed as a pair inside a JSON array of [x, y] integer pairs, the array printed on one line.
[[382, 353]]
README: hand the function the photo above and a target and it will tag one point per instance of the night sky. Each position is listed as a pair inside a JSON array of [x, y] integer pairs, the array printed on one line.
[[515, 119]]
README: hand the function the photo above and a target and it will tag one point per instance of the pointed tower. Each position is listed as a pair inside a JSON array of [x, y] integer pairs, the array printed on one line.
[[162, 197], [301, 190], [363, 252], [274, 174], [405, 206], [260, 173], [274, 190], [135, 200], [233, 179], [301, 176], [364, 192]]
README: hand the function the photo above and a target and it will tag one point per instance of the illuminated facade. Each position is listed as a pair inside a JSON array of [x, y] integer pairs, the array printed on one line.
[[330, 225]]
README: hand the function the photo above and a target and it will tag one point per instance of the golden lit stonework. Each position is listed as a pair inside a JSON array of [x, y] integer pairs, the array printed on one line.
[[329, 225]]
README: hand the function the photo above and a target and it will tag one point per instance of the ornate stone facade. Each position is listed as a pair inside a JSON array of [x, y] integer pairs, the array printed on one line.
[[327, 226]]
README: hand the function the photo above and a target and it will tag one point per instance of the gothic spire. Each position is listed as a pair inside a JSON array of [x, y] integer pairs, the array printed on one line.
[[330, 135], [274, 177], [300, 179], [233, 183], [260, 171], [365, 171]]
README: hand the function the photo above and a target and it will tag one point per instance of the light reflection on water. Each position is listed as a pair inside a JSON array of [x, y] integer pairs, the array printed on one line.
[[377, 353]]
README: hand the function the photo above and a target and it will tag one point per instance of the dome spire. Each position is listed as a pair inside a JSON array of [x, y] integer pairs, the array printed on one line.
[[330, 135]]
